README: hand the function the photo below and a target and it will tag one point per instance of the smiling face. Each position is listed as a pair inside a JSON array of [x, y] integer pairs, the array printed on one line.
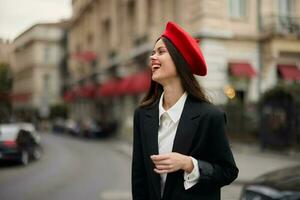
[[162, 66]]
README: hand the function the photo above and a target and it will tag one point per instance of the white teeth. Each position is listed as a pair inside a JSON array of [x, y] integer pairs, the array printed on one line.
[[154, 68]]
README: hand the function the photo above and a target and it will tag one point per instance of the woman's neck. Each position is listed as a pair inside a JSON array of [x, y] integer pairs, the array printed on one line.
[[171, 95]]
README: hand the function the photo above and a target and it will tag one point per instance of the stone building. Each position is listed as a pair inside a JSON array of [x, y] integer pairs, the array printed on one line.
[[39, 52], [248, 45]]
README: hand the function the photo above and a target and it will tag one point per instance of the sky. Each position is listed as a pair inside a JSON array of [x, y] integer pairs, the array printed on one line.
[[18, 15]]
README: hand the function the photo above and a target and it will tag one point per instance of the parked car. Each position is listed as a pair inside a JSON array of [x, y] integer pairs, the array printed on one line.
[[19, 142], [281, 184], [58, 125], [71, 127]]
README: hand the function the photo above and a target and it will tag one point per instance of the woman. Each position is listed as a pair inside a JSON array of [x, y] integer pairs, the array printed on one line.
[[180, 150]]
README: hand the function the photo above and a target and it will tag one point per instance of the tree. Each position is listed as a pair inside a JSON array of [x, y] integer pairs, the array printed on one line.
[[5, 91], [279, 116]]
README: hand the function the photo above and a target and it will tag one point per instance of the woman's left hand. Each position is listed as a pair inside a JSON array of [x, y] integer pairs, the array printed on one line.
[[171, 162]]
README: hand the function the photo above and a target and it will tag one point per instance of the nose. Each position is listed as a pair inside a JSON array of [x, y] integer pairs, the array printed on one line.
[[153, 57]]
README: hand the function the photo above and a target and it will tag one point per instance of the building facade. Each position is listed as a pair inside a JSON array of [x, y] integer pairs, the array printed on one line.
[[280, 42], [244, 42], [38, 53], [6, 48]]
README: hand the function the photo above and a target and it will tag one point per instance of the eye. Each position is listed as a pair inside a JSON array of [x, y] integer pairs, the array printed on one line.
[[161, 51]]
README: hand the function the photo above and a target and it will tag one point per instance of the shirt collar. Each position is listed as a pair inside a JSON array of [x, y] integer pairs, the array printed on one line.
[[175, 111]]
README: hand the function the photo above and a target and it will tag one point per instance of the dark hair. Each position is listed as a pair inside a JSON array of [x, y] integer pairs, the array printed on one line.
[[189, 82]]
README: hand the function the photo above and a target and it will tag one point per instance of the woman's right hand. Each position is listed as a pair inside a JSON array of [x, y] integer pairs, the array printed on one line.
[[171, 162]]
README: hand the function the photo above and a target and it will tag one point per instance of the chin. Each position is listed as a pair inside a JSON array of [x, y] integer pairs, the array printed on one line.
[[156, 79]]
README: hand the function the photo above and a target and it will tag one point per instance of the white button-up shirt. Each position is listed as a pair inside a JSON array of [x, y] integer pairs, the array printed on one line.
[[168, 123]]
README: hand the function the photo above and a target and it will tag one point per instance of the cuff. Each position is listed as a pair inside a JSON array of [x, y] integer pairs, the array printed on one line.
[[190, 179]]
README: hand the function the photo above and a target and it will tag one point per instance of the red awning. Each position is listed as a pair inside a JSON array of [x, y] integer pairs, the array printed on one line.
[[69, 96], [87, 91], [136, 83], [20, 97], [109, 88], [289, 72], [242, 69], [76, 90], [85, 56], [124, 85], [140, 82]]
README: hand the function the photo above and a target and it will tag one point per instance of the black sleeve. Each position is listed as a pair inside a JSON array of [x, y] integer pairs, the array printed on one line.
[[138, 173], [221, 169]]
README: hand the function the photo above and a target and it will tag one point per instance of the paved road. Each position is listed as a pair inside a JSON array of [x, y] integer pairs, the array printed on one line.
[[69, 169], [78, 169]]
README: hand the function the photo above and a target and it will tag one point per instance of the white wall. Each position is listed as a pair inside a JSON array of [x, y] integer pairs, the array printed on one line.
[[218, 53], [216, 79]]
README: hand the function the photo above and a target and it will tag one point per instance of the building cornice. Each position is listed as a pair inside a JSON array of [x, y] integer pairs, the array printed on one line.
[[225, 35], [237, 37], [63, 25], [80, 13], [32, 41]]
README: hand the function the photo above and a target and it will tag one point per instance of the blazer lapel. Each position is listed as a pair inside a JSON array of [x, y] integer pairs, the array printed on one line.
[[186, 129], [150, 129]]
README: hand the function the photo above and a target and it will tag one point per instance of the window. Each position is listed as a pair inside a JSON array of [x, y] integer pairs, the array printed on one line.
[[237, 8], [131, 18], [150, 13], [46, 78], [286, 21], [90, 39], [106, 35], [284, 7], [46, 54]]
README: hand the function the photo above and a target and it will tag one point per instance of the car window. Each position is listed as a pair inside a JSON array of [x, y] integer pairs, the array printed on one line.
[[8, 132]]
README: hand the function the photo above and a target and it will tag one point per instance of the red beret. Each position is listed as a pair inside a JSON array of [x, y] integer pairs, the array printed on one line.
[[188, 47]]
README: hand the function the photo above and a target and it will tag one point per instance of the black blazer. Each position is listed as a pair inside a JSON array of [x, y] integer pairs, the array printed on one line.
[[200, 134]]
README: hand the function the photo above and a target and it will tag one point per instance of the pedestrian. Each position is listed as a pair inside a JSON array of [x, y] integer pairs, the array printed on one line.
[[180, 150]]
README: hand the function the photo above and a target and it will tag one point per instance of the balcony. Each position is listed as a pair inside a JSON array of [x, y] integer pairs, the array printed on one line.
[[281, 25]]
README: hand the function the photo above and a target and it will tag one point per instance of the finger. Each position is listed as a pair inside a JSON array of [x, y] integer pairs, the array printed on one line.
[[159, 157], [163, 167], [161, 171], [162, 162]]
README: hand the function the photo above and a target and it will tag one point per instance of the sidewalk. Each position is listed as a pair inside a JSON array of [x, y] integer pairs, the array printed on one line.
[[251, 161]]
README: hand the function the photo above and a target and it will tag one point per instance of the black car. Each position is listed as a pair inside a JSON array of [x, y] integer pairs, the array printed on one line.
[[281, 184], [19, 142]]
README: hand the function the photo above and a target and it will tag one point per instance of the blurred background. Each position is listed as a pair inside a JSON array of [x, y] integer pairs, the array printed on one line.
[[76, 69]]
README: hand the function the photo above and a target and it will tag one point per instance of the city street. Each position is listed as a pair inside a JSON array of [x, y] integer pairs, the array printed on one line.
[[77, 169], [81, 70]]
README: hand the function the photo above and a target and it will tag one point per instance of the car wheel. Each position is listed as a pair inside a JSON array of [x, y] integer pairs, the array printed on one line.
[[24, 158], [37, 153]]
